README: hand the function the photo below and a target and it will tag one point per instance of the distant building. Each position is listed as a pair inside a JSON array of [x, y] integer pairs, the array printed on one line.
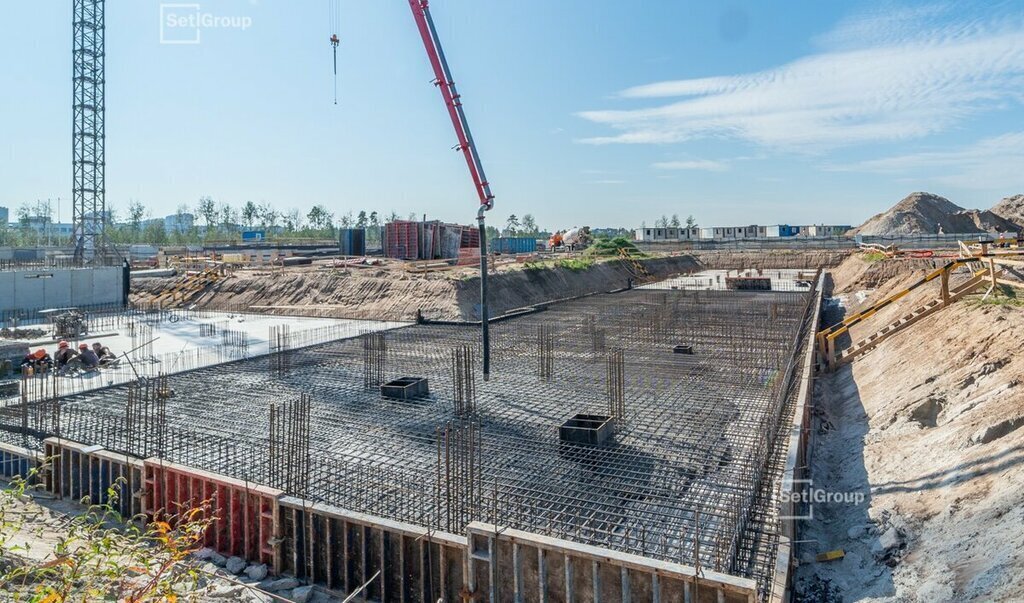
[[5, 216], [825, 230], [736, 233], [666, 234], [179, 222], [46, 229]]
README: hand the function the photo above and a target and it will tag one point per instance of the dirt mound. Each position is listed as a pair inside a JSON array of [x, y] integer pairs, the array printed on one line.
[[929, 428], [1012, 209], [925, 213], [389, 292]]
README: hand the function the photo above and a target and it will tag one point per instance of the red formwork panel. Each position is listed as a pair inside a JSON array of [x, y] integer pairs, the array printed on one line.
[[245, 515], [470, 237], [402, 240]]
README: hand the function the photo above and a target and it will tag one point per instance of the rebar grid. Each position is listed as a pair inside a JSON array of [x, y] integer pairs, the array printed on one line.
[[693, 433]]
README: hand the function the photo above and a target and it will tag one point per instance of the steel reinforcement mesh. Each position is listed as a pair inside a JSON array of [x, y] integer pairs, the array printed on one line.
[[684, 477]]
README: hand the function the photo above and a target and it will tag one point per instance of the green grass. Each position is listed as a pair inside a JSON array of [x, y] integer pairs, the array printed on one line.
[[1004, 295], [611, 248], [575, 264], [873, 256]]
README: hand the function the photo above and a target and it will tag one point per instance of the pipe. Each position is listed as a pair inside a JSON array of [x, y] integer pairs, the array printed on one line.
[[484, 316]]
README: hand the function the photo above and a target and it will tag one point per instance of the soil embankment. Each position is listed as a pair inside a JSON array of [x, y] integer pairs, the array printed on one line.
[[927, 428], [389, 292]]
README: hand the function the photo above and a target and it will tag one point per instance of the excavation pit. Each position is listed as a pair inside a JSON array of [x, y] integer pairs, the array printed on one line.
[[487, 450]]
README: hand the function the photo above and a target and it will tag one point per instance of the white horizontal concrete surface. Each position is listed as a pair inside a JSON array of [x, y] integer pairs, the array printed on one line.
[[714, 280], [178, 346]]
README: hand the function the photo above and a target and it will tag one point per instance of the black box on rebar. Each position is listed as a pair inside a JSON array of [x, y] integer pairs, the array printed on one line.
[[586, 429], [683, 349], [406, 388]]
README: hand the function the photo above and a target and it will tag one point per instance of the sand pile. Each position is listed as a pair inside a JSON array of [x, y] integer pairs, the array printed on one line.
[[925, 213]]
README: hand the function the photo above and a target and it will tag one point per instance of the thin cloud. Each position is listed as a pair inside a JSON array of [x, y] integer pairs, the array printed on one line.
[[706, 165], [877, 79], [990, 163]]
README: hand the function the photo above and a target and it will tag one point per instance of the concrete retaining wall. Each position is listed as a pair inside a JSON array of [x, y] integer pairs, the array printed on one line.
[[794, 477], [36, 289]]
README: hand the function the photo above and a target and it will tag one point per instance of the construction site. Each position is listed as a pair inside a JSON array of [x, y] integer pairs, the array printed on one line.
[[577, 418]]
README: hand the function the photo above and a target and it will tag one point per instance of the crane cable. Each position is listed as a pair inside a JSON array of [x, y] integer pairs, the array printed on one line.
[[334, 17]]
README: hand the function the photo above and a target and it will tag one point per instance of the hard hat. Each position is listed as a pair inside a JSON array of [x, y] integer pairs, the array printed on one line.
[[62, 345], [40, 353]]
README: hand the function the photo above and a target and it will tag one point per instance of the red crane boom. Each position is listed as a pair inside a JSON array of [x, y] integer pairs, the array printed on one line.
[[443, 80]]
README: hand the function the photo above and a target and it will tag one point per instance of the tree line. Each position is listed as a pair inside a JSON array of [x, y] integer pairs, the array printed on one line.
[[210, 221]]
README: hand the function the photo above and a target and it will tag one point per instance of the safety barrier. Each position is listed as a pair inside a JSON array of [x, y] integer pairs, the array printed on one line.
[[244, 514], [344, 550]]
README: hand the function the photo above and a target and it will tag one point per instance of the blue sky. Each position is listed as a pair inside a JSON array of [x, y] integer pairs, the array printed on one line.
[[584, 112]]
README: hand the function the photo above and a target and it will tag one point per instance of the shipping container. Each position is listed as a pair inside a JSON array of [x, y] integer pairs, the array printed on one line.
[[352, 241], [513, 245]]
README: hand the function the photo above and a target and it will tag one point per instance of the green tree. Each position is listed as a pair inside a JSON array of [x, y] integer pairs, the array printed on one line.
[[361, 219], [529, 226], [136, 212], [690, 222], [675, 221], [154, 233], [319, 218], [661, 222], [207, 210], [512, 225], [292, 220], [249, 213]]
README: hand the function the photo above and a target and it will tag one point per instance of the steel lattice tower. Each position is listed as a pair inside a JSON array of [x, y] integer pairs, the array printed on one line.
[[88, 108]]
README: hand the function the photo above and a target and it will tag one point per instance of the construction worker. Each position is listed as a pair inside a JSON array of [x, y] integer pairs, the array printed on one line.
[[104, 354], [36, 361], [64, 355], [87, 358]]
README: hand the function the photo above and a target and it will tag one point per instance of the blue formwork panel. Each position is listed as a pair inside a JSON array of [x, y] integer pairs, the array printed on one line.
[[13, 464]]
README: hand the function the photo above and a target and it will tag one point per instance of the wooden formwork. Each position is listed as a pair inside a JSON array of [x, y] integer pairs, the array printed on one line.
[[343, 550], [16, 461], [79, 472], [504, 564], [245, 514]]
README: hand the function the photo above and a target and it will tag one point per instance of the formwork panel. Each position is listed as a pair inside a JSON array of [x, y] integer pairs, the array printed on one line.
[[238, 526]]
